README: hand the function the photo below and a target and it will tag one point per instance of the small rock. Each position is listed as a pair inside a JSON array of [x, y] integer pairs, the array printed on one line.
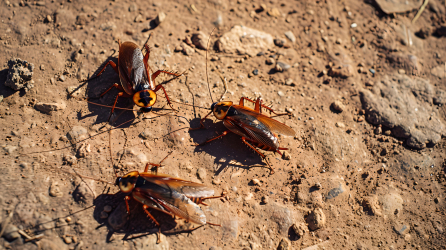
[[62, 78], [178, 48], [338, 106], [48, 108], [256, 182], [55, 189], [67, 240], [340, 124], [279, 42], [160, 18], [255, 72], [320, 47], [69, 160], [290, 36], [265, 199], [371, 205], [289, 110], [133, 7], [138, 19], [286, 155], [49, 19], [401, 228], [316, 219], [68, 219], [283, 245], [77, 133], [270, 61], [11, 232], [200, 40], [20, 74], [277, 68], [280, 93], [283, 65], [83, 150], [378, 130], [274, 12], [187, 50], [214, 58], [361, 118], [201, 173], [300, 229], [401, 71]]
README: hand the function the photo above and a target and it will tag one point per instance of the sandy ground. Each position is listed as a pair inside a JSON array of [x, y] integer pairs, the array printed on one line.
[[365, 91]]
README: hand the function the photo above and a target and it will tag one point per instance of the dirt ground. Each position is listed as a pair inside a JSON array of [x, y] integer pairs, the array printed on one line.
[[364, 89]]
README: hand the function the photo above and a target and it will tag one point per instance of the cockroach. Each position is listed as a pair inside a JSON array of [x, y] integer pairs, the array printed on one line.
[[136, 78], [256, 129], [171, 195]]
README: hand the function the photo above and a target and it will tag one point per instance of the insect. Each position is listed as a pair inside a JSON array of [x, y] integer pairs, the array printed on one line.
[[173, 196], [135, 76], [256, 129]]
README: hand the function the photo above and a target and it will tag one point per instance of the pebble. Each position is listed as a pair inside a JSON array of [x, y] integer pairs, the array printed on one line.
[[388, 132], [138, 19], [77, 133], [401, 228], [360, 119], [200, 40], [340, 124], [201, 173], [255, 72], [283, 245], [300, 229], [270, 61], [338, 106], [49, 19], [316, 219], [214, 58], [133, 7], [160, 18], [280, 93], [256, 182], [11, 233], [279, 42], [286, 155], [62, 78], [19, 74], [67, 240], [178, 48], [378, 130], [107, 209], [401, 71], [68, 219], [265, 199], [284, 66], [55, 189], [290, 36], [48, 108], [289, 110], [274, 12], [278, 68]]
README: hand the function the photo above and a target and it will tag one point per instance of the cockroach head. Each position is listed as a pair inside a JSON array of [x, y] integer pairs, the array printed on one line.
[[220, 109], [145, 99], [127, 182]]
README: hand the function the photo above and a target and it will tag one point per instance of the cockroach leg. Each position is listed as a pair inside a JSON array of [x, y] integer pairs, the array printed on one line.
[[127, 198], [146, 169], [260, 105], [258, 152], [214, 138], [111, 63], [145, 207], [212, 224], [116, 100], [200, 200], [155, 75]]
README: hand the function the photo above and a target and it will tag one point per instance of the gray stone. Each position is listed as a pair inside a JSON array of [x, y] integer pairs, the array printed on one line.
[[20, 74], [243, 40], [405, 107], [149, 242], [398, 6], [282, 216], [401, 228]]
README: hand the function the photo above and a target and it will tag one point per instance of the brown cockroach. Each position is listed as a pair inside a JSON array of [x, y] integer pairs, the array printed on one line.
[[256, 129], [168, 194], [137, 80]]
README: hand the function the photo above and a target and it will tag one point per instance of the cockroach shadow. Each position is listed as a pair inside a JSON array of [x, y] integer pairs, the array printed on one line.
[[136, 223], [100, 107], [229, 151]]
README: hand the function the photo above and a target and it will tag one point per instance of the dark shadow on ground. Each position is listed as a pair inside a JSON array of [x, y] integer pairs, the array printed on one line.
[[4, 90], [135, 224], [227, 149]]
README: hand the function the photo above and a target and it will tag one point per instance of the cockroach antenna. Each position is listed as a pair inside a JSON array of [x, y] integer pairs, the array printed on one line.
[[207, 76]]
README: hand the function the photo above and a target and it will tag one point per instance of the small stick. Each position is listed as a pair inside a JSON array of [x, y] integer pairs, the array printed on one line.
[[423, 6], [37, 237]]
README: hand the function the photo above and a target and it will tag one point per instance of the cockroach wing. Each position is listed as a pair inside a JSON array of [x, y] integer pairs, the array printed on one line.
[[172, 193], [273, 125], [131, 68], [247, 127]]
